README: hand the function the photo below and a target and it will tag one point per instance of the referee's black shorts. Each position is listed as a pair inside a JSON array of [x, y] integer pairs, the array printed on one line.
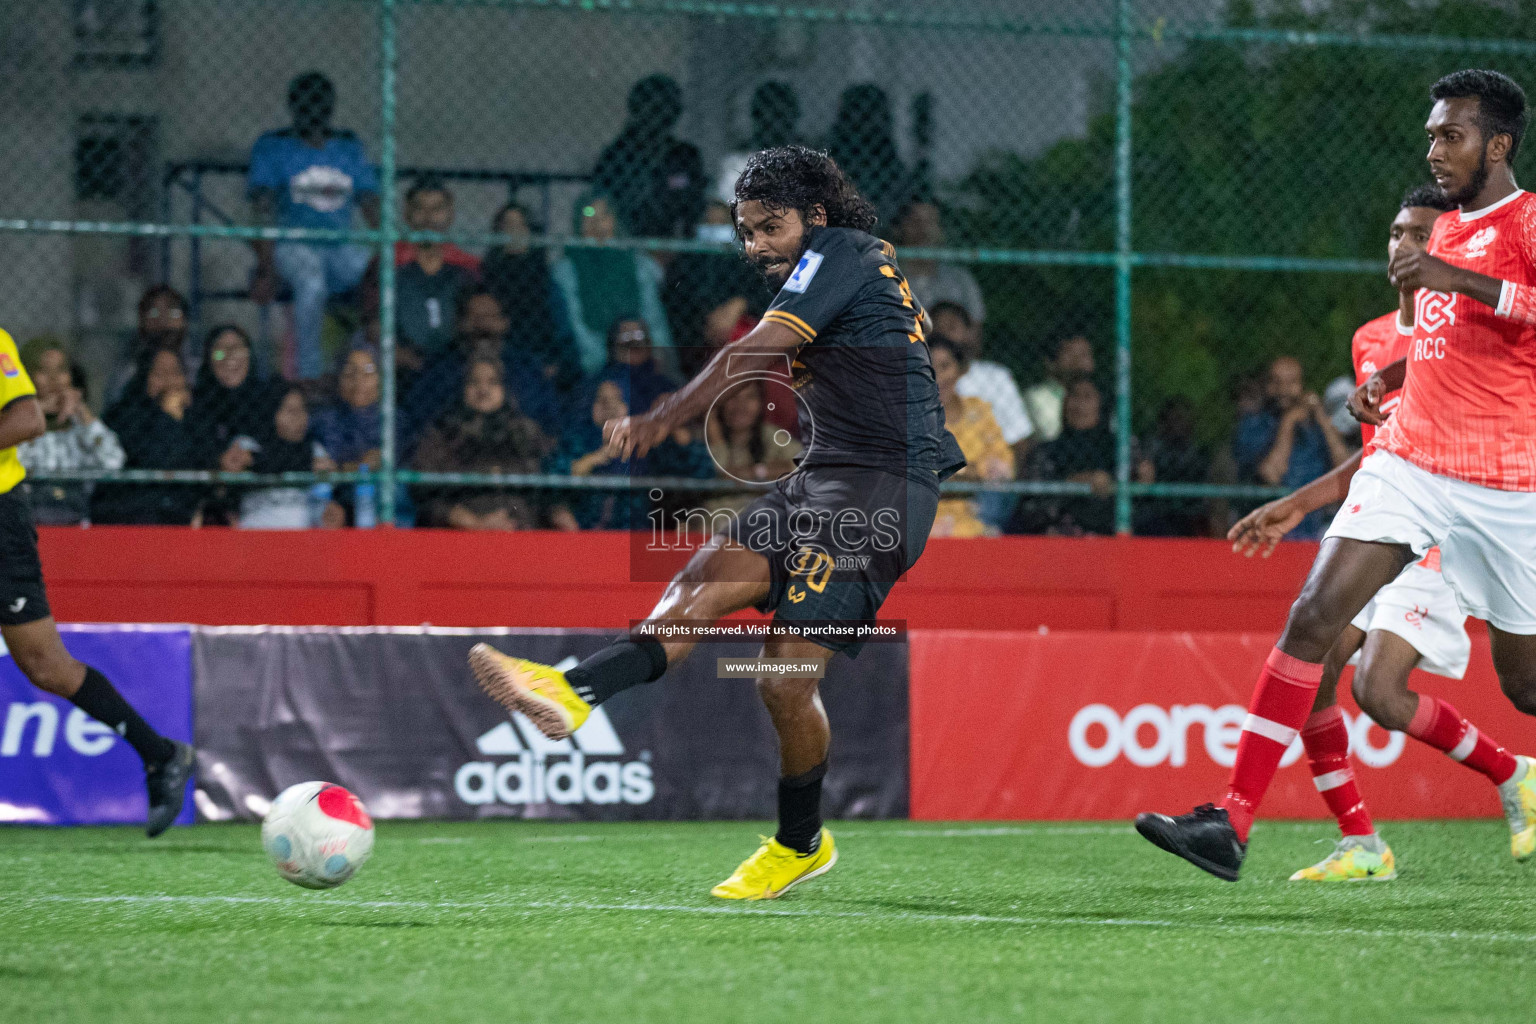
[[837, 538], [22, 597]]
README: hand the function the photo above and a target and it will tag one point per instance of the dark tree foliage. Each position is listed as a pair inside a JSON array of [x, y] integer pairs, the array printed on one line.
[[1250, 150]]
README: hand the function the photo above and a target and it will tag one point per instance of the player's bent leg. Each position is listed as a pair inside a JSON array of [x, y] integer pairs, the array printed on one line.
[[1346, 574], [720, 579], [802, 848], [1381, 681], [1514, 657], [41, 656], [1361, 854], [1344, 577]]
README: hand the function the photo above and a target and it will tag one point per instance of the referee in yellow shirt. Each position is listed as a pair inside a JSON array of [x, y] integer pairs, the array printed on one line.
[[28, 627]]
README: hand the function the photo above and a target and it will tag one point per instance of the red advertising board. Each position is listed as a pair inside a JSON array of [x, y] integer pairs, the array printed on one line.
[[1101, 725]]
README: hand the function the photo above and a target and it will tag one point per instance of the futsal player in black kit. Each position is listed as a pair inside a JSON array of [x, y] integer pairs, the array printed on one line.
[[823, 546]]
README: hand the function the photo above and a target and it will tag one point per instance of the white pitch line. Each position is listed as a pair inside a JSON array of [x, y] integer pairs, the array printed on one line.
[[985, 833], [537, 907]]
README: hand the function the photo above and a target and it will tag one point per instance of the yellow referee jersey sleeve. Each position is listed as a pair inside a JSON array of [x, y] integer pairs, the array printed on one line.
[[14, 384]]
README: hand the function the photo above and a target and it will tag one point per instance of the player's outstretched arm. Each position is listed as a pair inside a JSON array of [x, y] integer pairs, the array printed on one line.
[[21, 420], [764, 348], [1260, 530]]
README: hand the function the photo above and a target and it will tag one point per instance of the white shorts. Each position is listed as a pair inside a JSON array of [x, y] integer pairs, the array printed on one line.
[[1487, 537], [1420, 607]]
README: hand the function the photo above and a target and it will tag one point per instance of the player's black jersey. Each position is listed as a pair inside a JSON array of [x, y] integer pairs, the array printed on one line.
[[864, 373]]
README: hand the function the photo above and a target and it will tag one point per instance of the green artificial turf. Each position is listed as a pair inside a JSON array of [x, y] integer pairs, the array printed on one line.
[[537, 921]]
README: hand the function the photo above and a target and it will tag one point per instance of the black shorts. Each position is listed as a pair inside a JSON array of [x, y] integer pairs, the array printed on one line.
[[22, 598], [837, 538]]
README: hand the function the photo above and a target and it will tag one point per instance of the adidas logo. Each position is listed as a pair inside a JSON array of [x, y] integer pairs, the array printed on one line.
[[581, 770]]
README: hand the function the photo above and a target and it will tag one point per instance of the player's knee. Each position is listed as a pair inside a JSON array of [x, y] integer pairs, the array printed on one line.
[[781, 694], [1314, 622], [1382, 702], [53, 671]]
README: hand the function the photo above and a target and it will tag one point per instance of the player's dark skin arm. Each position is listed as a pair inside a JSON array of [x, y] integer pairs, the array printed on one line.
[[1414, 268], [1260, 530], [20, 421], [1365, 402], [763, 349]]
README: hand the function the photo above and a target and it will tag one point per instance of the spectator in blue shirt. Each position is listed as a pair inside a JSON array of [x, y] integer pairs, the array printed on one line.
[[310, 175], [1290, 441]]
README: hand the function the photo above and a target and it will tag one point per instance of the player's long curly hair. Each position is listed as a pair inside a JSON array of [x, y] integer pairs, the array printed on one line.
[[797, 178]]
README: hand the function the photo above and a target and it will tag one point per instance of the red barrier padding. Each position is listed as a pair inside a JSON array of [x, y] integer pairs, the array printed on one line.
[[407, 577], [1101, 725]]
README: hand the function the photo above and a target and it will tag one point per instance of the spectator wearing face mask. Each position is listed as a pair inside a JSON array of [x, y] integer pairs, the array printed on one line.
[[76, 439]]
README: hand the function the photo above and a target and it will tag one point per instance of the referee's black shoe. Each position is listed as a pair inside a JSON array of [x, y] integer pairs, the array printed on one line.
[[167, 784], [1204, 837]]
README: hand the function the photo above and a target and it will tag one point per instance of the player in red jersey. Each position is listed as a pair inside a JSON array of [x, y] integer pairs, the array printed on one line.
[[1454, 467], [1413, 622]]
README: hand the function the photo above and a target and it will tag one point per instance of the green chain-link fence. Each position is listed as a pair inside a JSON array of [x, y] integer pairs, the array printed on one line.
[[202, 202]]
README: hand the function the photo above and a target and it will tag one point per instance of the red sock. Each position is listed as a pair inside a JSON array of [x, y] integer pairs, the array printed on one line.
[[1326, 738], [1276, 711], [1442, 727]]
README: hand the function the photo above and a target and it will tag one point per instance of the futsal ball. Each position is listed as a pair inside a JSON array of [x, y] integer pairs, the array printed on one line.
[[318, 834]]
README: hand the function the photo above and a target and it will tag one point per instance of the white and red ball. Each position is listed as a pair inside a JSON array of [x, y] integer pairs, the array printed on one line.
[[318, 834]]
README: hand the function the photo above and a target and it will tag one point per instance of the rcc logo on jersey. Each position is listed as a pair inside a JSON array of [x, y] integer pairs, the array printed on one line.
[[1434, 310], [557, 771]]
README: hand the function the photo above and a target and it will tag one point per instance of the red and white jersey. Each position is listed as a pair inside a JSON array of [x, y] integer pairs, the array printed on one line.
[[1468, 407], [1378, 344]]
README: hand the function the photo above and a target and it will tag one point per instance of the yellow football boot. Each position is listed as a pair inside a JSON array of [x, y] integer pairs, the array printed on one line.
[[1519, 798], [537, 691], [1354, 859], [775, 869]]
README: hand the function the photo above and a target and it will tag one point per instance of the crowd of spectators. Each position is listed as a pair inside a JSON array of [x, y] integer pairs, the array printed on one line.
[[510, 361]]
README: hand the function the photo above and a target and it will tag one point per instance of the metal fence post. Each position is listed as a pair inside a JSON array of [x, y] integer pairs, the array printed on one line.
[[1123, 39], [389, 233]]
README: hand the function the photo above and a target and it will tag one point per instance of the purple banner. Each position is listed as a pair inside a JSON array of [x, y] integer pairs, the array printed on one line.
[[59, 766]]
